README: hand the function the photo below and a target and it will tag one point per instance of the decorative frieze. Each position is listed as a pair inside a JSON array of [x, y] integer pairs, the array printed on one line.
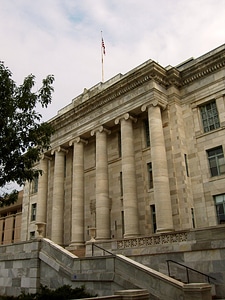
[[154, 240]]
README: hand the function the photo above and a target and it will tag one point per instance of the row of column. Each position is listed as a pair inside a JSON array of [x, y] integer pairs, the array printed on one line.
[[131, 219]]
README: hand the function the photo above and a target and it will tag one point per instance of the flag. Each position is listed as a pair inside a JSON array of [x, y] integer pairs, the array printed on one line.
[[103, 47]]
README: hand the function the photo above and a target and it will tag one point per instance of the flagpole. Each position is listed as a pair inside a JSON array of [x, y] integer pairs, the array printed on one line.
[[102, 53]]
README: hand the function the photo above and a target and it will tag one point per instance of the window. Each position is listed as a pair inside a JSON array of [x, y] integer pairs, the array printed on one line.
[[186, 164], [150, 176], [122, 220], [119, 144], [220, 208], [147, 135], [193, 217], [216, 161], [210, 118], [121, 184], [34, 188], [32, 235], [33, 212], [153, 215]]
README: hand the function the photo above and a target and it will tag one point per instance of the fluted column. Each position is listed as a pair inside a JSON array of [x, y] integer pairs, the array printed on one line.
[[42, 193], [129, 176], [102, 184], [58, 197], [77, 222], [159, 167]]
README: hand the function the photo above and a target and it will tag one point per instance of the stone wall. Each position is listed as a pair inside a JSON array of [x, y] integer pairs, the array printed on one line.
[[19, 268], [25, 266], [202, 250]]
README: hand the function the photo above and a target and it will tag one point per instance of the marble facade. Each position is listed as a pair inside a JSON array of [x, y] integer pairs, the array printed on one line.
[[97, 172]]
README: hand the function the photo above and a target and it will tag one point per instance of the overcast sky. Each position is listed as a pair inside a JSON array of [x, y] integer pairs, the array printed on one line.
[[63, 38]]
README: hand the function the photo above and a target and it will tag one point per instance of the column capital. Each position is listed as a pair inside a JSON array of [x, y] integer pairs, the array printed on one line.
[[44, 156], [59, 149], [100, 129], [155, 102], [126, 117], [78, 140]]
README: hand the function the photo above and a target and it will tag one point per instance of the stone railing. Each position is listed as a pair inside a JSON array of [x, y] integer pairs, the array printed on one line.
[[153, 240]]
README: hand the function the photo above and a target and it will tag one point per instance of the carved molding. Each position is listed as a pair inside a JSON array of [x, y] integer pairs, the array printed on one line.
[[59, 149], [78, 140], [161, 239], [140, 76], [126, 117], [155, 102], [100, 129]]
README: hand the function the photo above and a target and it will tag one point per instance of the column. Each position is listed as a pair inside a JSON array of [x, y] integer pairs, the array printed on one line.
[[77, 221], [159, 167], [42, 194], [129, 176], [102, 185], [58, 197]]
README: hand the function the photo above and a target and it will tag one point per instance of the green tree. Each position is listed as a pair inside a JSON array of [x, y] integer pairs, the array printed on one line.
[[23, 136]]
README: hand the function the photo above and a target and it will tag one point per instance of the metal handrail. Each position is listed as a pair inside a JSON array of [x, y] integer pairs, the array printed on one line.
[[94, 245], [187, 269]]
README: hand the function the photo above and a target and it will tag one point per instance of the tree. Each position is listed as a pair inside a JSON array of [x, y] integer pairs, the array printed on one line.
[[23, 137]]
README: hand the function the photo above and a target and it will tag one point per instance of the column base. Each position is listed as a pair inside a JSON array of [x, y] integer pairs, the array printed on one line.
[[130, 236], [165, 230]]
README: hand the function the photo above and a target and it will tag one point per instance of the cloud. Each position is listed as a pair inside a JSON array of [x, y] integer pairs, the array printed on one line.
[[63, 37]]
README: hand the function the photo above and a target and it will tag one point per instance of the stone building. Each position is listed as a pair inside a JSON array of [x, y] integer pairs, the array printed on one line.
[[10, 222], [140, 154]]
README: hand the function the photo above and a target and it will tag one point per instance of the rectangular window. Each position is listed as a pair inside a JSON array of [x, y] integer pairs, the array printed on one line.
[[119, 144], [122, 220], [220, 208], [147, 135], [210, 117], [186, 164], [34, 186], [33, 212], [153, 215], [216, 161], [150, 176], [32, 235], [121, 184], [193, 217]]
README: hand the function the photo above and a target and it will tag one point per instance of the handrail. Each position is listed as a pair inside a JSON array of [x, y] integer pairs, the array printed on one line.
[[94, 245], [187, 268]]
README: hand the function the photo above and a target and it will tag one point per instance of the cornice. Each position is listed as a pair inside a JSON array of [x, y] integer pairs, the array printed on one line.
[[204, 68], [150, 72], [138, 77]]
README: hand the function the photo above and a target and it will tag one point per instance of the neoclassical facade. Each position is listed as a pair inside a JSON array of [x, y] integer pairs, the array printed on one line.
[[140, 154]]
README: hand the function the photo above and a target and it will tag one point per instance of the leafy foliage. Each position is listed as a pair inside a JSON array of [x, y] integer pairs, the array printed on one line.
[[62, 293], [22, 134]]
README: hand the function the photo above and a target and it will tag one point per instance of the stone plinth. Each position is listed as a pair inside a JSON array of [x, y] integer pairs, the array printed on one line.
[[197, 291], [133, 294]]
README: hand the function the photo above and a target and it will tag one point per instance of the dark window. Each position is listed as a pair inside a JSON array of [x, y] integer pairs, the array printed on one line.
[[33, 212], [150, 176], [121, 184], [186, 164], [147, 135], [119, 144], [153, 215], [210, 118], [193, 217], [216, 161], [220, 208], [32, 235], [122, 219], [34, 185]]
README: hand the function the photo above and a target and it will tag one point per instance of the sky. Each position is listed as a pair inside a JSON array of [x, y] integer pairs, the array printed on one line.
[[63, 38]]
